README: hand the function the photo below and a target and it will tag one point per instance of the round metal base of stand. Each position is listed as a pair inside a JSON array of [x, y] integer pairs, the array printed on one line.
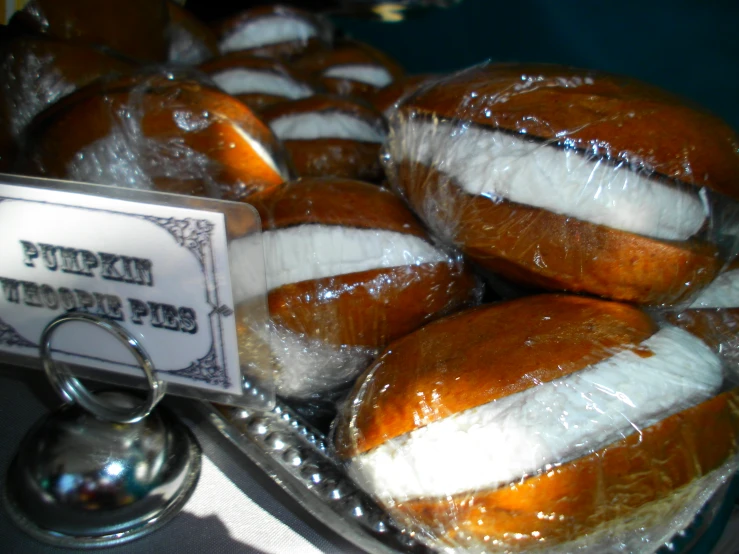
[[79, 482]]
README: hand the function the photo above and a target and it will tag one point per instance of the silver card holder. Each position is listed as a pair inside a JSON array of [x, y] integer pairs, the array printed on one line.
[[105, 468]]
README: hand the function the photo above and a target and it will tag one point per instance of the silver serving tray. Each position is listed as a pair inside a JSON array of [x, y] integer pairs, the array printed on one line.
[[296, 457]]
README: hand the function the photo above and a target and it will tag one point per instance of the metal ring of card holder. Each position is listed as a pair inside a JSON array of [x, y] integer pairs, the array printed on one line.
[[73, 391]]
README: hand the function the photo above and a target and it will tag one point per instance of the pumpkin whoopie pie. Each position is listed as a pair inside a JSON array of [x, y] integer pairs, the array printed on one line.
[[158, 132], [275, 31], [538, 421], [350, 68], [329, 136], [257, 82], [349, 269], [569, 179]]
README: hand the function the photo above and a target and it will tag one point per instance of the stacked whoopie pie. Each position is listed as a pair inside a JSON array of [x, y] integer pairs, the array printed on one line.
[[569, 180], [108, 120], [349, 269], [274, 32], [313, 91], [557, 422], [257, 82], [543, 420], [330, 136], [351, 68]]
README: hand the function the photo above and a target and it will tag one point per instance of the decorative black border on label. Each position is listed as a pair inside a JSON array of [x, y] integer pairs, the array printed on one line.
[[196, 236]]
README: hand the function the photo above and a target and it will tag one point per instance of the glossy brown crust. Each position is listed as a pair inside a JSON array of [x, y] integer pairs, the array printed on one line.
[[386, 97], [282, 50], [347, 87], [349, 159], [622, 117], [135, 28], [190, 26], [94, 112], [373, 307], [598, 488], [337, 202], [257, 101], [478, 356], [39, 68], [540, 248]]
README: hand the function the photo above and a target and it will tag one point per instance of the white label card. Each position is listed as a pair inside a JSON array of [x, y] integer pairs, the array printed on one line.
[[159, 271]]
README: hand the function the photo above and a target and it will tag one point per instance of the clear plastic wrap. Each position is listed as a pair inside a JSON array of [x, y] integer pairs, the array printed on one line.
[[714, 315], [351, 68], [257, 82], [349, 269], [274, 32], [37, 71], [551, 423], [134, 28], [157, 131], [329, 136], [568, 179]]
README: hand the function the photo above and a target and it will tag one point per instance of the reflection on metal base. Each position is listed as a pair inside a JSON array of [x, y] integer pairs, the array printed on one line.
[[81, 482]]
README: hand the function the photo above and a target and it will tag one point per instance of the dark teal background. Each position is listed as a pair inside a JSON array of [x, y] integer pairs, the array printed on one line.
[[688, 47]]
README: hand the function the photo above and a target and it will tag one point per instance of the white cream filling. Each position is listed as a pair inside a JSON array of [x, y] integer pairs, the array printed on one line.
[[375, 75], [308, 252], [245, 81], [259, 149], [499, 165], [308, 126], [519, 435], [723, 292], [268, 30]]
